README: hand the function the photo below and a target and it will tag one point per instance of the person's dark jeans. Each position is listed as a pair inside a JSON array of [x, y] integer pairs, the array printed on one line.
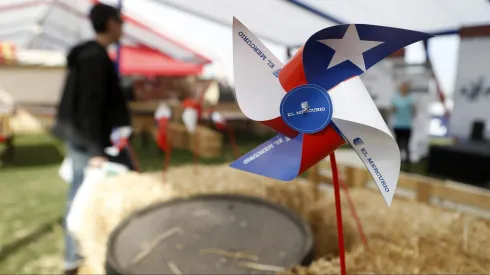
[[402, 136], [80, 160]]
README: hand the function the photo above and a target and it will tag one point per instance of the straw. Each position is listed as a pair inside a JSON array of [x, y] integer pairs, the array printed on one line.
[[353, 210], [407, 238]]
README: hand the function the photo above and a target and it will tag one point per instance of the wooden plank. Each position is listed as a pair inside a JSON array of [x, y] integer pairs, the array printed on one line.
[[424, 191], [356, 177], [463, 194], [407, 181], [424, 187]]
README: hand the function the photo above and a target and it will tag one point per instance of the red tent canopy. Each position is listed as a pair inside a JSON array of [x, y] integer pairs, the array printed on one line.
[[141, 60]]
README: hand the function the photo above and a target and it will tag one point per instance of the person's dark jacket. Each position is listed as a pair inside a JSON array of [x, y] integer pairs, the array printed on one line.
[[92, 103]]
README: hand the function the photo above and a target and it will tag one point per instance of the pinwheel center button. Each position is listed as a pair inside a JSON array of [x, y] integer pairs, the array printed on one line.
[[307, 108]]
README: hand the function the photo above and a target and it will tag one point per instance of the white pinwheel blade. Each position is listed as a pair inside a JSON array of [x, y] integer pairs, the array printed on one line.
[[112, 151], [125, 131], [162, 111], [358, 118], [257, 89], [217, 117], [121, 132], [189, 116]]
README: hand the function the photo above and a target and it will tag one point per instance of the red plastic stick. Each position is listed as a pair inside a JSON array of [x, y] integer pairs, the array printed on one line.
[[132, 156], [338, 208], [236, 151], [168, 153]]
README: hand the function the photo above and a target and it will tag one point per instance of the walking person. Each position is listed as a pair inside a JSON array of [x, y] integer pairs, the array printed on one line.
[[403, 109], [92, 105]]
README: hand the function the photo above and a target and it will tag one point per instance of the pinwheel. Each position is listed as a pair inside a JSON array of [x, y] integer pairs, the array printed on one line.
[[120, 141], [191, 114], [221, 124], [218, 120], [317, 103], [162, 116]]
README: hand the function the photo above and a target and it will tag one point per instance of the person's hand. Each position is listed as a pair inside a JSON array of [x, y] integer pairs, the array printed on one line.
[[97, 161]]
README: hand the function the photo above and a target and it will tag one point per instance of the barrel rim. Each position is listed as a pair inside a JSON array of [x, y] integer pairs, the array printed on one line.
[[303, 225]]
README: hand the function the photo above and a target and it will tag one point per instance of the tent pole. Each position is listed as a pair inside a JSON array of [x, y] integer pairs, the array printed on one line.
[[440, 93]]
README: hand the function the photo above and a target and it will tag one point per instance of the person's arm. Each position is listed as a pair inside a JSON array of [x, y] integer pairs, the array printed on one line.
[[92, 83]]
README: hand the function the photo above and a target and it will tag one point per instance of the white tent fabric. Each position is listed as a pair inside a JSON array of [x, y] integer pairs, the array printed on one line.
[[433, 16], [281, 23], [60, 24], [204, 26], [291, 22]]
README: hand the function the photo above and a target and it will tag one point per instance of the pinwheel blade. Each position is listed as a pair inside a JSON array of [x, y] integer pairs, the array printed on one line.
[[360, 122], [257, 89], [121, 133], [126, 131], [189, 116], [217, 117], [162, 111], [112, 151], [278, 158]]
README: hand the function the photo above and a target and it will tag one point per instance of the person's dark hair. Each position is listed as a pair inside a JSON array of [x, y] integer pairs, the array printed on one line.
[[100, 14]]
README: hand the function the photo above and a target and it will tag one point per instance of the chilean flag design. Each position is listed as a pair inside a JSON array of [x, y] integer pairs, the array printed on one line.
[[120, 140], [327, 68], [218, 120], [162, 116], [191, 114]]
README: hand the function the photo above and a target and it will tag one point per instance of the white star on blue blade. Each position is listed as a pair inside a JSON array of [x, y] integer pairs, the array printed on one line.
[[350, 48]]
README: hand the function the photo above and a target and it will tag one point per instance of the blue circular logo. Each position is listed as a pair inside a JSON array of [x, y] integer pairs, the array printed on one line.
[[307, 108]]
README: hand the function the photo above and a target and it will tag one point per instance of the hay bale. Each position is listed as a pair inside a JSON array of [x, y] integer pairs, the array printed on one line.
[[206, 142], [179, 137], [412, 238], [409, 237], [118, 197]]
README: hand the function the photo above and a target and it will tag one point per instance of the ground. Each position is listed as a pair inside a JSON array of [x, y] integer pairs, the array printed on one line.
[[32, 199]]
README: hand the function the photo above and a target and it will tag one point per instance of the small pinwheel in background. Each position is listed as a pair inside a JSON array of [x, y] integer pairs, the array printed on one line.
[[317, 102], [192, 114], [162, 116], [221, 124], [120, 141]]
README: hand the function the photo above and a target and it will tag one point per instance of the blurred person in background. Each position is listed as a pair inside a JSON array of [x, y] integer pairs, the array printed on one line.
[[92, 104], [403, 109]]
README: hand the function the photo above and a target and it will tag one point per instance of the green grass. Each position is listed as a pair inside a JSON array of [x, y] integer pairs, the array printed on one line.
[[32, 197]]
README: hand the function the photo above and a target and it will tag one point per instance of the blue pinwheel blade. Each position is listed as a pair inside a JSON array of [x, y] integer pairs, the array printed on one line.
[[278, 158]]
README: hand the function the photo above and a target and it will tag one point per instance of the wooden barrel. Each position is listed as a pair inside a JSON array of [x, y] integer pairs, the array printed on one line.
[[210, 234]]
